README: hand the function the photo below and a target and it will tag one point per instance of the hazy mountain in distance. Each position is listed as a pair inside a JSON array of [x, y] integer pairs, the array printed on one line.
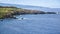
[[32, 7]]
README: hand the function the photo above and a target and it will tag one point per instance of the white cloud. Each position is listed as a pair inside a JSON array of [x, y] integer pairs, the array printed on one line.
[[45, 3]]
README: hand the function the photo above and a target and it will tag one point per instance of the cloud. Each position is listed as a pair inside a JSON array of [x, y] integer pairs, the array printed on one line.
[[45, 3]]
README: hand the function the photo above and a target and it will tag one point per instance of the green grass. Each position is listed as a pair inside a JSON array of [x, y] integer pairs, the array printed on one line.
[[4, 11]]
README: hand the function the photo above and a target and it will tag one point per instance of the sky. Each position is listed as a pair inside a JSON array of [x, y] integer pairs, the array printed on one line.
[[43, 3]]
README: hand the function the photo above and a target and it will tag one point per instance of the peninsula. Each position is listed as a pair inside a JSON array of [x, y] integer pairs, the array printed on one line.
[[10, 11]]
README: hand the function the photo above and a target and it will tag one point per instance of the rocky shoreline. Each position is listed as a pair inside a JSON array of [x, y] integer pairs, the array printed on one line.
[[10, 11]]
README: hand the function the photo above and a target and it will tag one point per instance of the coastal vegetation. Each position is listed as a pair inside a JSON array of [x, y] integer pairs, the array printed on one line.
[[10, 11]]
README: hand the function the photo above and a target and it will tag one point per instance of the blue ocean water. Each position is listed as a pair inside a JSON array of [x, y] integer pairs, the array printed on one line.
[[31, 24]]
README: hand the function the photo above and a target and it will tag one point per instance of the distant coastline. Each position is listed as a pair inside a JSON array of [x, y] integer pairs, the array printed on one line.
[[10, 11]]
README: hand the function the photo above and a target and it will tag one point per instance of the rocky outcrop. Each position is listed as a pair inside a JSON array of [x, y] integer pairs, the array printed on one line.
[[10, 11]]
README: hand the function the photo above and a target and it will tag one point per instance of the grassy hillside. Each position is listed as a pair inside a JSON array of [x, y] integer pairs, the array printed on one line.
[[7, 11], [10, 11]]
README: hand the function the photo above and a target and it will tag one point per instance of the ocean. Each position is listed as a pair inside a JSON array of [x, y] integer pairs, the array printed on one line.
[[31, 24]]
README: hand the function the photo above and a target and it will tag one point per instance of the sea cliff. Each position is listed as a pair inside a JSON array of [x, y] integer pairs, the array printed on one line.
[[10, 11]]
